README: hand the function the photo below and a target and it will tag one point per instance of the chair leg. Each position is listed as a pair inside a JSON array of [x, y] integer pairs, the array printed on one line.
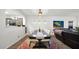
[[30, 43], [49, 44]]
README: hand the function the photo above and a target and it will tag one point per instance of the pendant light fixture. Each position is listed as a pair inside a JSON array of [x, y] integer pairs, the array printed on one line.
[[40, 12]]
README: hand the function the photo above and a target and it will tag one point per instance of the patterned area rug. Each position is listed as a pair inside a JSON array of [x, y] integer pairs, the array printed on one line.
[[35, 45], [57, 44], [49, 45], [53, 44]]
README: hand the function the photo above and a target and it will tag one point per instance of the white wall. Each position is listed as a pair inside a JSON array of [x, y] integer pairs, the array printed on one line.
[[34, 22], [66, 19], [77, 17], [11, 34], [47, 22]]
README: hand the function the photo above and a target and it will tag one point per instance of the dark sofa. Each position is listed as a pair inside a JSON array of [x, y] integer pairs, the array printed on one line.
[[69, 38]]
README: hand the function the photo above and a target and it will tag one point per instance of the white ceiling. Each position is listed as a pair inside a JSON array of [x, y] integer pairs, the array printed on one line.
[[13, 12], [53, 12], [47, 12]]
